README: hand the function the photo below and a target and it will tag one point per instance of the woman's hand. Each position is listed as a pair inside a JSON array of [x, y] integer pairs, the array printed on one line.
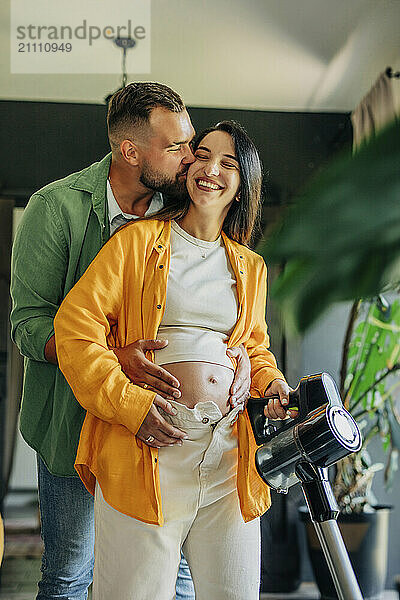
[[275, 409], [240, 388], [143, 372]]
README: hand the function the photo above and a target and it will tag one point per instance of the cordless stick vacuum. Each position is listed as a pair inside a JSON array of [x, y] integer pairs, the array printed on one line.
[[299, 450]]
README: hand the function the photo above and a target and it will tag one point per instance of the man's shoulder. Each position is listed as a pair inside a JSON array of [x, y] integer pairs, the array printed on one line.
[[85, 180]]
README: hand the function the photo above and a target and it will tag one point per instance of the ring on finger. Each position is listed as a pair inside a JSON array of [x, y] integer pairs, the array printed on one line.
[[149, 439]]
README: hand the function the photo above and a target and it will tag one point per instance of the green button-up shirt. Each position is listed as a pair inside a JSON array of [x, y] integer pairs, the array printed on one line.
[[63, 227]]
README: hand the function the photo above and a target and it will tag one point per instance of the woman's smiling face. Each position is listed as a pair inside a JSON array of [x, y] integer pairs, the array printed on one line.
[[213, 179]]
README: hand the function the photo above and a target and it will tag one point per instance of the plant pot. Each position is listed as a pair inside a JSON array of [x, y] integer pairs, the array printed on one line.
[[366, 538], [280, 554]]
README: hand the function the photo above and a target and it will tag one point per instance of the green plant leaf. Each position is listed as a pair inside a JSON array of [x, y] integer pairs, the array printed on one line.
[[373, 346], [371, 384]]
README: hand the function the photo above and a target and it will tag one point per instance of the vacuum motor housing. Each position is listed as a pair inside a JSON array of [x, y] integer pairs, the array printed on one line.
[[322, 433]]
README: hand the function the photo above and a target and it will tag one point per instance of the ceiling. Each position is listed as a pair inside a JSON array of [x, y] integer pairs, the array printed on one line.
[[292, 55]]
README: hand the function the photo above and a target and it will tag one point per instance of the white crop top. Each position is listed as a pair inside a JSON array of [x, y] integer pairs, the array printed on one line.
[[201, 304]]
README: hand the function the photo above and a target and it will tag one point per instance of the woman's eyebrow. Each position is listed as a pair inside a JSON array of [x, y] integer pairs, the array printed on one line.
[[208, 150]]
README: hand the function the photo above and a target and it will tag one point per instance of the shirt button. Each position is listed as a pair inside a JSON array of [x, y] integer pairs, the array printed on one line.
[[159, 246], [241, 272], [161, 267], [205, 420], [158, 305]]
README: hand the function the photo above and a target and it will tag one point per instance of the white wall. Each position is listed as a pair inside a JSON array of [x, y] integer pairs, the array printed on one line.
[[322, 344], [24, 472], [257, 54]]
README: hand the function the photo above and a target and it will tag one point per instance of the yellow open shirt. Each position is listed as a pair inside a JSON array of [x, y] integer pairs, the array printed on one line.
[[119, 299]]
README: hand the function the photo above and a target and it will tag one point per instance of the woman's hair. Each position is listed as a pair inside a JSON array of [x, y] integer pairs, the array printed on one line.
[[243, 216]]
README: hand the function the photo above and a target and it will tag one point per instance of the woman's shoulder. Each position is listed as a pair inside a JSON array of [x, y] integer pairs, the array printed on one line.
[[252, 258], [140, 231]]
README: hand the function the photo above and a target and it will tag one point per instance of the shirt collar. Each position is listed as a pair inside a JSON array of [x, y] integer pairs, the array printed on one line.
[[114, 210]]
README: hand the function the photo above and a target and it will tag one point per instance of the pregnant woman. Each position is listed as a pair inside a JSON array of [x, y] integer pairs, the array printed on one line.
[[200, 287]]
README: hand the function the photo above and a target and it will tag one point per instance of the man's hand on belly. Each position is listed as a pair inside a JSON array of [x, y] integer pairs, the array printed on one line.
[[143, 372], [240, 388], [155, 431]]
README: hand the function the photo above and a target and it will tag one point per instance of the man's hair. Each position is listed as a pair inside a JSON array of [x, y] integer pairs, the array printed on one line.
[[129, 108]]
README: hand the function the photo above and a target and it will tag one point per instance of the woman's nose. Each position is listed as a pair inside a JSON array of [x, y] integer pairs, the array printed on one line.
[[211, 168]]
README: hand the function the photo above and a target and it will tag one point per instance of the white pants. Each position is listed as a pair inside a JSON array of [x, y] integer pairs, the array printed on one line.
[[139, 561]]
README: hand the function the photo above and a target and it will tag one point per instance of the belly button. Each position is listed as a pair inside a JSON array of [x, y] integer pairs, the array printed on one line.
[[213, 380]]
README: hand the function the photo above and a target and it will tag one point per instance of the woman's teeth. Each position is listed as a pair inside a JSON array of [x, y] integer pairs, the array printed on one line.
[[208, 184]]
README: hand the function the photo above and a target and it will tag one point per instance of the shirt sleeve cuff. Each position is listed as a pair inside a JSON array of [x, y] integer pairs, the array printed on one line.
[[134, 407], [33, 337], [263, 379]]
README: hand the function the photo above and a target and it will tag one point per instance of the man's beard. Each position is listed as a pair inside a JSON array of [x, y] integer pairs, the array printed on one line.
[[154, 180]]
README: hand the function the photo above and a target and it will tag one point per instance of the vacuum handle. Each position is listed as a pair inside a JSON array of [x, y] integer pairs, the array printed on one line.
[[293, 401], [262, 428], [312, 392]]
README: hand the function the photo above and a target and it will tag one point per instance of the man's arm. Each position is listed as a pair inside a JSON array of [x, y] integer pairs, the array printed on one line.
[[137, 367], [39, 265], [154, 425], [82, 326], [50, 351], [145, 373]]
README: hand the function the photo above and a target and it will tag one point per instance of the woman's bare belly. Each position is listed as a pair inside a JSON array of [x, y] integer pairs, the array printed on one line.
[[202, 381]]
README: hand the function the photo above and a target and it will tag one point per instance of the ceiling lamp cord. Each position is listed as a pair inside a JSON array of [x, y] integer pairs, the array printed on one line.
[[126, 43]]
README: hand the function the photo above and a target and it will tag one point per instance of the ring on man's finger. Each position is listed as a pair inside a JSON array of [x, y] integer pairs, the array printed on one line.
[[149, 439]]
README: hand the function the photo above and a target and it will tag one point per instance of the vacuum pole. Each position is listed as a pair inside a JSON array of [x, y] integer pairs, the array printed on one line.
[[338, 561], [301, 450], [324, 511]]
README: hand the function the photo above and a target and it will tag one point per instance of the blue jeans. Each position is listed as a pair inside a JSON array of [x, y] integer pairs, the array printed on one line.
[[67, 520]]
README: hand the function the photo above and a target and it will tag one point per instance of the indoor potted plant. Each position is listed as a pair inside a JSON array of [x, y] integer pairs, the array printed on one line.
[[369, 383]]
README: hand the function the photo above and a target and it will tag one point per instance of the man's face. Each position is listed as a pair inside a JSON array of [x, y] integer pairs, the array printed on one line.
[[166, 155]]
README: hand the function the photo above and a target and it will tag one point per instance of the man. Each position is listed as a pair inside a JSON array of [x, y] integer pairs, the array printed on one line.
[[63, 228]]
